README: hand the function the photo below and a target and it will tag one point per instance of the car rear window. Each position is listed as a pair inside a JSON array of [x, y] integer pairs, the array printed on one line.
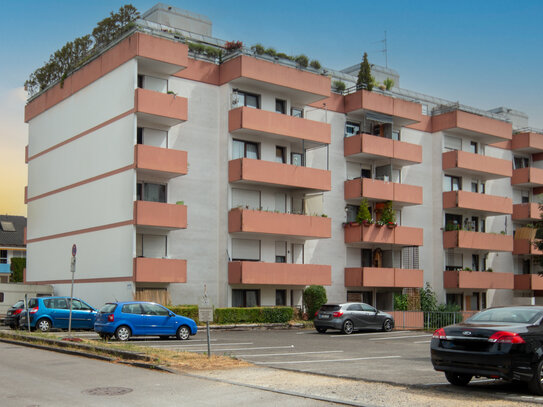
[[108, 308], [330, 307], [511, 315], [19, 304], [33, 302]]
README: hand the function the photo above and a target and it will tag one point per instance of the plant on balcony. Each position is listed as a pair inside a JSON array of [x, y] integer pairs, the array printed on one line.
[[258, 49], [315, 64], [452, 226], [364, 216], [231, 46], [389, 83], [302, 60], [489, 270], [388, 216], [365, 79], [338, 86]]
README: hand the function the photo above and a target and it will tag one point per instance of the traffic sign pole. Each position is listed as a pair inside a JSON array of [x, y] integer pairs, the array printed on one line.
[[72, 269], [205, 314]]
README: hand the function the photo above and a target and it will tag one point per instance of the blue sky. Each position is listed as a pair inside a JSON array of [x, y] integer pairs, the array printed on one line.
[[482, 53]]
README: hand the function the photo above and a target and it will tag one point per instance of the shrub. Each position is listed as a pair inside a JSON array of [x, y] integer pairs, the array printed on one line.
[[189, 311], [258, 49], [339, 85], [284, 56], [363, 212], [315, 64], [17, 266], [233, 45], [271, 52], [400, 302], [235, 315], [302, 60], [314, 297], [389, 83], [365, 79]]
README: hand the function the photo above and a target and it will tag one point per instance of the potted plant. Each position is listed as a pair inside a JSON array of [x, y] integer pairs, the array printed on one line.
[[388, 216], [364, 216]]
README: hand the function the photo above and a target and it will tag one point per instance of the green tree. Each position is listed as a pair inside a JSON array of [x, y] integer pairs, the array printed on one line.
[[389, 214], [17, 266], [314, 297], [365, 78], [428, 299], [363, 212], [115, 25]]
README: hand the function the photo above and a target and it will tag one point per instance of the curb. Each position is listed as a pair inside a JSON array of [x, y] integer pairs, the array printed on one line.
[[244, 327]]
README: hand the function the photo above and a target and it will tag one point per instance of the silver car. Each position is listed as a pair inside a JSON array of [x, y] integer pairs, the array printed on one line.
[[351, 316]]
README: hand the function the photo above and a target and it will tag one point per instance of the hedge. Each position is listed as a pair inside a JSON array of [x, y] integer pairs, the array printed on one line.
[[190, 311], [253, 315]]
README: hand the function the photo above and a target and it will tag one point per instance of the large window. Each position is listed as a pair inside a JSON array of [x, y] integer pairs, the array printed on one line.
[[520, 162], [280, 154], [352, 129], [245, 298], [451, 183], [244, 149], [280, 106], [3, 256], [246, 99], [297, 112], [297, 159], [281, 297], [147, 191]]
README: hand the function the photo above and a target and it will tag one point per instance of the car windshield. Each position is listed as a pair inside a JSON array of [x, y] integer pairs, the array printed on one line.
[[330, 307], [511, 315], [108, 308]]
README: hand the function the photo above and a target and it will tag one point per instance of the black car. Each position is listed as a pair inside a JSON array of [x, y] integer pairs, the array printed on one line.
[[499, 343], [14, 314], [351, 316]]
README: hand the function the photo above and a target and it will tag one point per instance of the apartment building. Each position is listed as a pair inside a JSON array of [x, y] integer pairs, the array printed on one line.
[[11, 243], [171, 170]]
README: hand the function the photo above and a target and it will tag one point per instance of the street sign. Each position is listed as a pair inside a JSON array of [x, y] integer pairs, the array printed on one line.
[[74, 250], [205, 310]]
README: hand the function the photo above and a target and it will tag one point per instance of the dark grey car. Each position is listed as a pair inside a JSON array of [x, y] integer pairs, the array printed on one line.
[[351, 316]]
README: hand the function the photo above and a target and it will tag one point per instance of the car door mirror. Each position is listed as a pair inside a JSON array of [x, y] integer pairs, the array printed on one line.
[[171, 314]]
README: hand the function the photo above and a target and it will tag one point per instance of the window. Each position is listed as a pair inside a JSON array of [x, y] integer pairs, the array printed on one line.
[[245, 298], [246, 99], [452, 143], [520, 162], [365, 173], [475, 262], [455, 299], [354, 307], [280, 106], [244, 149], [56, 303], [280, 252], [297, 112], [1, 297], [525, 197], [367, 257], [151, 192], [132, 309], [351, 211], [281, 297], [526, 266], [297, 159], [154, 309], [280, 154], [360, 296], [352, 129], [473, 147], [140, 135], [3, 256], [452, 222], [140, 81], [7, 226], [451, 183], [245, 250], [474, 187], [425, 110]]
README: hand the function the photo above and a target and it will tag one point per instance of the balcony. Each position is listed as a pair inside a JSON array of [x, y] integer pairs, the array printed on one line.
[[301, 86], [159, 55], [160, 215], [383, 277], [160, 162], [463, 163], [527, 177], [525, 247], [250, 171], [528, 282], [151, 270], [376, 190], [491, 242], [402, 111], [248, 120], [159, 109], [486, 205], [529, 142], [485, 129], [528, 212], [373, 235], [478, 280], [381, 149], [253, 222], [253, 272]]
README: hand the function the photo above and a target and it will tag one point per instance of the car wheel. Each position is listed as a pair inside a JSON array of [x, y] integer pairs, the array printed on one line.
[[387, 325], [321, 330], [536, 384], [458, 379], [183, 332], [44, 325], [348, 327], [123, 333]]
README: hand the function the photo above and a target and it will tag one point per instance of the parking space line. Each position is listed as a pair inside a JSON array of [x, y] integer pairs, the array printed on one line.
[[257, 348], [370, 333], [292, 353], [325, 360], [179, 345], [398, 337]]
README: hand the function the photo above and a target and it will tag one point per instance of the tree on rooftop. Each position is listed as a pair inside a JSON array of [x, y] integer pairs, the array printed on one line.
[[365, 78]]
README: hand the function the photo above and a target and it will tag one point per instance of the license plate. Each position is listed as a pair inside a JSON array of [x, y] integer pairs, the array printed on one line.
[[324, 316]]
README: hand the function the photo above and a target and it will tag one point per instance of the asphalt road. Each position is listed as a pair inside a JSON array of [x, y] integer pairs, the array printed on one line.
[[33, 377]]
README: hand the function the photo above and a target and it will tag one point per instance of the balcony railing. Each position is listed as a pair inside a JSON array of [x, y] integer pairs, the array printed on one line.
[[160, 215], [152, 270], [526, 212], [377, 190], [383, 277], [374, 234], [526, 247], [485, 204], [527, 142], [528, 282], [527, 177], [261, 273], [463, 239], [160, 162], [246, 170], [484, 167], [477, 280], [157, 108], [366, 146]]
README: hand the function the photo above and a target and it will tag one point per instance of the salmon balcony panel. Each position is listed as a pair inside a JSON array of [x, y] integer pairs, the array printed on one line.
[[399, 235], [161, 162], [408, 153], [465, 163], [161, 55], [383, 277], [405, 194], [255, 272], [160, 215], [528, 282], [526, 247], [152, 270], [303, 86], [529, 177], [526, 211], [250, 120], [406, 112], [478, 280], [487, 204], [492, 242], [408, 278], [485, 129], [527, 142], [160, 108], [377, 190], [368, 145], [278, 174], [279, 224]]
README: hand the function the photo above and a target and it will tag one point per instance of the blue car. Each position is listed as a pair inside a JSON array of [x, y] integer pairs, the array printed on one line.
[[54, 312], [136, 318]]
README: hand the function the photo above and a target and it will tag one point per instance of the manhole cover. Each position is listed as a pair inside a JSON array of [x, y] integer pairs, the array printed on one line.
[[107, 391]]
